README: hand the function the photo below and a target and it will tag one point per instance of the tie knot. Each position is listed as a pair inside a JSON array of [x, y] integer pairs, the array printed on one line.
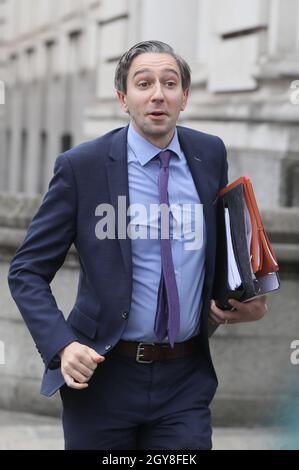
[[164, 158]]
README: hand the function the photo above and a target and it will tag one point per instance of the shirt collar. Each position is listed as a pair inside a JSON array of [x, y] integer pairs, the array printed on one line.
[[145, 151]]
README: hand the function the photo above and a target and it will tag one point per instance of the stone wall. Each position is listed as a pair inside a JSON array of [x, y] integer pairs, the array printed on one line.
[[252, 360]]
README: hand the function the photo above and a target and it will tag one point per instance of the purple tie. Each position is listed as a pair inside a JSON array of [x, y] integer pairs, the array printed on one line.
[[168, 306]]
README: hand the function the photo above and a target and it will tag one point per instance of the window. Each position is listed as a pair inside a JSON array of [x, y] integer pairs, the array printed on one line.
[[292, 185], [42, 162], [30, 64], [50, 57], [66, 142], [23, 163], [7, 158], [75, 51]]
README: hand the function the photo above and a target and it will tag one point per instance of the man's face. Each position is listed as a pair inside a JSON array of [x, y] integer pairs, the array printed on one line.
[[154, 96]]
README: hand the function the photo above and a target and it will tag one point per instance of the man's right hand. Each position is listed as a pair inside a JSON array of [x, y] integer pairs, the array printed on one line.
[[78, 363]]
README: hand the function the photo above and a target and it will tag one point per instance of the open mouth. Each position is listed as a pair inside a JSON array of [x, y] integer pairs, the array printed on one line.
[[157, 115]]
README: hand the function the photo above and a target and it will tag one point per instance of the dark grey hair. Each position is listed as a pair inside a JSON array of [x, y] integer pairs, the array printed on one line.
[[122, 69]]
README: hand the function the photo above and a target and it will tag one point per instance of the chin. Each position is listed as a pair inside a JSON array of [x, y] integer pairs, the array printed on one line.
[[157, 130]]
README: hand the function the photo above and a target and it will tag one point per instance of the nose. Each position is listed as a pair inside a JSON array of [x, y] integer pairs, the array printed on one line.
[[157, 92]]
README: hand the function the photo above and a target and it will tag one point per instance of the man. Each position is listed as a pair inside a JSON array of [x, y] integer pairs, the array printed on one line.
[[132, 360]]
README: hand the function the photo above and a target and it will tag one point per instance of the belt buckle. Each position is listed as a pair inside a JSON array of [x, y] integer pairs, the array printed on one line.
[[139, 354]]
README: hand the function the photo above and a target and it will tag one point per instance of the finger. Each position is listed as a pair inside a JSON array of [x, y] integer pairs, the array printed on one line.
[[216, 310], [236, 304], [86, 371], [226, 315], [220, 315], [70, 382], [77, 376], [213, 305], [214, 319], [87, 361], [95, 356]]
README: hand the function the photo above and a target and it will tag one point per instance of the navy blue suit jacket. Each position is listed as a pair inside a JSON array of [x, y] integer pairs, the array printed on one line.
[[92, 173]]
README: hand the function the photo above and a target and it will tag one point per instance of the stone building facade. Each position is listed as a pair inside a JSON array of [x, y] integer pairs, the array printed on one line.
[[60, 61]]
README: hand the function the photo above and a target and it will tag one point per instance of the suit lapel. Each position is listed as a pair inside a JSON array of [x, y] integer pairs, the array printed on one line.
[[196, 162], [117, 174], [200, 172]]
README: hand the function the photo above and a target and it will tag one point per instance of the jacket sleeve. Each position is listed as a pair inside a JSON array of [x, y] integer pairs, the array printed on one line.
[[41, 254], [224, 167], [222, 183]]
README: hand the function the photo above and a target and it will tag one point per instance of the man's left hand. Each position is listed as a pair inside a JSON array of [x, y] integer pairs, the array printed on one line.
[[242, 311]]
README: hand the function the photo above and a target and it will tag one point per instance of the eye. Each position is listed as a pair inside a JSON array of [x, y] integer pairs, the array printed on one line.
[[170, 84], [142, 84]]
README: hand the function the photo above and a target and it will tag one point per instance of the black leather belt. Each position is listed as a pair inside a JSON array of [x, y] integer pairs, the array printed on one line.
[[146, 353]]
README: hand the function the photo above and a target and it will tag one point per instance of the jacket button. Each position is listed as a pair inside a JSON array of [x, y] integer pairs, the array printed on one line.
[[107, 347], [125, 315]]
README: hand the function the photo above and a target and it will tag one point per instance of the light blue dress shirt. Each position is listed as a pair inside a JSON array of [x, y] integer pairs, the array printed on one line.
[[189, 264]]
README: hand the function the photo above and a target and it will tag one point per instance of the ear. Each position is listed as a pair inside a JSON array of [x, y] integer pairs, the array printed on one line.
[[122, 100], [184, 99]]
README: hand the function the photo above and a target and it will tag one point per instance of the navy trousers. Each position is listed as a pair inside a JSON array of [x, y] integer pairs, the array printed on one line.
[[128, 405]]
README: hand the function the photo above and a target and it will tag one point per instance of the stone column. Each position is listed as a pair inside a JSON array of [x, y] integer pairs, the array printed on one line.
[[283, 28]]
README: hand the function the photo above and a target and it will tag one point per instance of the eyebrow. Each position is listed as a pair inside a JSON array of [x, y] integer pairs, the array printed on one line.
[[148, 70]]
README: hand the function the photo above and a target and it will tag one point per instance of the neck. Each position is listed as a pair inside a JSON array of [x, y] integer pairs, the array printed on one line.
[[158, 141]]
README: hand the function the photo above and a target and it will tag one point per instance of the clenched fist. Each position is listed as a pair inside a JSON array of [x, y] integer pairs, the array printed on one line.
[[78, 363]]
